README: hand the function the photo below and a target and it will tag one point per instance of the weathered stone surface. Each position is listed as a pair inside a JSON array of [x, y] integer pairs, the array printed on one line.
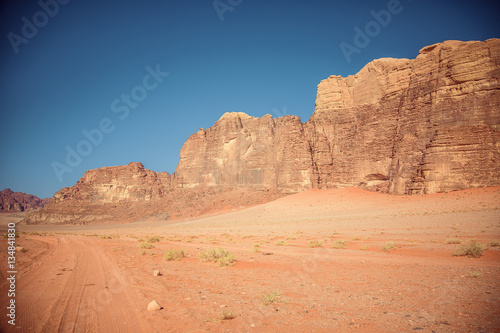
[[425, 125], [131, 192], [154, 306], [11, 201], [130, 182], [249, 152]]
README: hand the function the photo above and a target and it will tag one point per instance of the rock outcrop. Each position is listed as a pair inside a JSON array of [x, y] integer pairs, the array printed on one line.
[[125, 183], [431, 124], [427, 125], [11, 201], [130, 192]]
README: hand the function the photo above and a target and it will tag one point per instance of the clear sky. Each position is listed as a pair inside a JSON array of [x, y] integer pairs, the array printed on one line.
[[139, 77]]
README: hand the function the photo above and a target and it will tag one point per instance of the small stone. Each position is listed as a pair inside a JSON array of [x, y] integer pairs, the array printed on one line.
[[157, 272], [154, 306], [252, 325], [223, 306]]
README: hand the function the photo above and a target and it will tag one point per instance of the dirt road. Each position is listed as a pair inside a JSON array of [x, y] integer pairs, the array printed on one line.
[[74, 287]]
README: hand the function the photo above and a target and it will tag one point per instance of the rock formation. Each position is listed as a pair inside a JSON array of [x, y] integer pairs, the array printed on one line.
[[11, 201], [131, 192], [426, 125], [125, 183]]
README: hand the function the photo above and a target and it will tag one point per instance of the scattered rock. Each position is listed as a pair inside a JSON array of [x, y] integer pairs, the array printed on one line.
[[157, 272], [154, 306], [267, 254]]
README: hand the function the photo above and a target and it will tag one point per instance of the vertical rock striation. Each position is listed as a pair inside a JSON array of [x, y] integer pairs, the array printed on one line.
[[425, 125]]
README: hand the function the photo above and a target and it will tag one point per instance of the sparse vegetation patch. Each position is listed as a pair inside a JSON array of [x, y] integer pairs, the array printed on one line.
[[315, 244], [146, 245], [389, 246], [220, 256], [471, 249], [271, 297], [173, 254], [340, 244]]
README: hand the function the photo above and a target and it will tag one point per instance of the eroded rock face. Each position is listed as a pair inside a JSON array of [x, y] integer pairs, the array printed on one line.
[[130, 182], [425, 125], [249, 152], [11, 201]]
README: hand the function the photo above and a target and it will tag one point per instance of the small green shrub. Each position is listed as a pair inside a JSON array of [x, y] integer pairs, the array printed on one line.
[[471, 249], [105, 237], [494, 243], [453, 241], [315, 244], [389, 246], [340, 244], [270, 297], [280, 243], [256, 248], [474, 274], [173, 254], [146, 245], [153, 239], [220, 256]]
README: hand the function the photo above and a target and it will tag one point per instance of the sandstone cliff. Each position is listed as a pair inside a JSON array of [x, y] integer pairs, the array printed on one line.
[[130, 192], [425, 125], [11, 201]]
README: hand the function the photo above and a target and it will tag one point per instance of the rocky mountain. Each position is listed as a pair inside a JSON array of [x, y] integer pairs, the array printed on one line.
[[130, 192], [11, 201], [426, 125]]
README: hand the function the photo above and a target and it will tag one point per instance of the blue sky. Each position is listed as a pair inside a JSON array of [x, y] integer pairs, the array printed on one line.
[[73, 73]]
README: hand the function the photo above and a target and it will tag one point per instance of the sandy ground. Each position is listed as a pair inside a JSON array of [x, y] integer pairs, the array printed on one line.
[[98, 279]]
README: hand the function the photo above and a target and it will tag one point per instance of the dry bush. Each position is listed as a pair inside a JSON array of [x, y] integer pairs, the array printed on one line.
[[220, 256], [471, 249], [173, 254]]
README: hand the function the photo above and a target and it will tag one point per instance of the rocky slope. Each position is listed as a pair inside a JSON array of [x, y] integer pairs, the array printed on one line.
[[426, 125], [130, 192], [11, 201]]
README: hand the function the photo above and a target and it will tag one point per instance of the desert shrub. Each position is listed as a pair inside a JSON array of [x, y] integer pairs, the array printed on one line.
[[256, 248], [270, 297], [340, 244], [220, 256], [227, 315], [105, 237], [315, 244], [143, 252], [474, 274], [453, 241], [173, 254], [280, 243], [153, 239], [146, 245], [471, 249], [494, 243], [389, 246]]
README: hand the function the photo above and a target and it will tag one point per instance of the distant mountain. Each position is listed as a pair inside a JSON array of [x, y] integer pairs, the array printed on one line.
[[11, 201]]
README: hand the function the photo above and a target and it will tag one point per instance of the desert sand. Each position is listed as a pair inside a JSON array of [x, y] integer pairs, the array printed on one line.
[[319, 267]]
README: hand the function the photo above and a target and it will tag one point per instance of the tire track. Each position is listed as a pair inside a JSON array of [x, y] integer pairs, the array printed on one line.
[[77, 289]]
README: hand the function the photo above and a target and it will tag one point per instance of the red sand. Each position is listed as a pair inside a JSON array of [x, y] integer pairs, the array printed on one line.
[[70, 279]]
